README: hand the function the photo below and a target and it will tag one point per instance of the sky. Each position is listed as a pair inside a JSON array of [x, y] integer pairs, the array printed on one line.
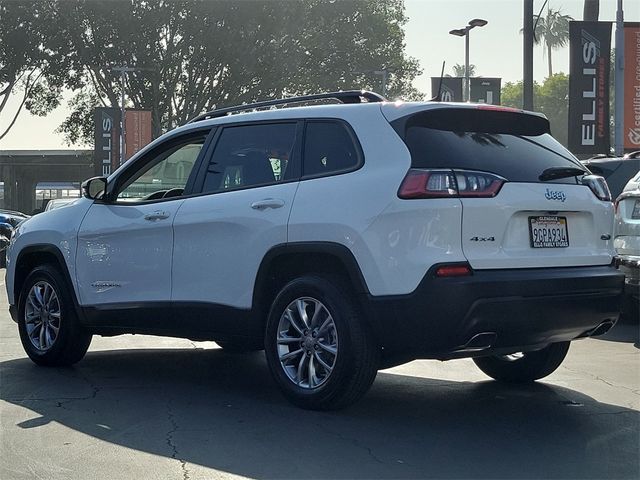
[[495, 50]]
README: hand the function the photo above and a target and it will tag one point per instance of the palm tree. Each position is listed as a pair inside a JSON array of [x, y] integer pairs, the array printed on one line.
[[553, 31], [458, 70]]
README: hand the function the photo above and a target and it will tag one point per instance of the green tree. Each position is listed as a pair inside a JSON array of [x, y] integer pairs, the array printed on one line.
[[199, 55], [553, 31], [551, 98], [29, 69]]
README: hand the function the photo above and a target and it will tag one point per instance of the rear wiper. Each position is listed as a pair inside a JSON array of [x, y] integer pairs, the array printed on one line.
[[561, 172]]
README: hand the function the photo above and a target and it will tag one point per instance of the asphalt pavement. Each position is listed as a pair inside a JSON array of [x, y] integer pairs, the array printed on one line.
[[140, 407]]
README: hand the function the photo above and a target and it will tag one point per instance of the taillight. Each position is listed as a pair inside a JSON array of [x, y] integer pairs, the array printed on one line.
[[453, 270], [598, 186], [428, 184], [420, 183]]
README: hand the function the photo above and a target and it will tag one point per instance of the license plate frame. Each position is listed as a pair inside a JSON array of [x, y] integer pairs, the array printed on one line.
[[551, 239]]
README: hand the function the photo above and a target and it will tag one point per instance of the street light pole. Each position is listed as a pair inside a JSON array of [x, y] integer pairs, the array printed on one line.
[[464, 32], [527, 56], [619, 85], [467, 84], [123, 70]]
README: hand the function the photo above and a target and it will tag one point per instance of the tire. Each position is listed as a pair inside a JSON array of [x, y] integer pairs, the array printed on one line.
[[46, 286], [3, 259], [526, 366], [339, 326]]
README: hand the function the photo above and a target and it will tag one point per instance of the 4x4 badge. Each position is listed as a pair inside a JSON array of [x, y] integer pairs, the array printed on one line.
[[555, 195]]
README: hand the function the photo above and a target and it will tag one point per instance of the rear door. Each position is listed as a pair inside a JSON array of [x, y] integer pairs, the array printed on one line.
[[222, 235], [539, 217]]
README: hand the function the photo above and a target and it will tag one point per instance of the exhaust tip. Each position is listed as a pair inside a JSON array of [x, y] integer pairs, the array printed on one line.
[[601, 329], [481, 341]]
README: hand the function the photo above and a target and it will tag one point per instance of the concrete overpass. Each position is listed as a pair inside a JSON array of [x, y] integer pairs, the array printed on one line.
[[22, 170]]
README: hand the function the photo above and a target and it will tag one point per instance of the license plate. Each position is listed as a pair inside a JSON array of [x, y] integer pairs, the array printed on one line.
[[636, 211], [548, 232]]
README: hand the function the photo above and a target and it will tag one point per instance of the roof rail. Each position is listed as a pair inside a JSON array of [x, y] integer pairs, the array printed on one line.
[[349, 96]]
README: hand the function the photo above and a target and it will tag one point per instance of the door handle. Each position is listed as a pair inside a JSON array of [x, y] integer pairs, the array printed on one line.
[[159, 215], [267, 203]]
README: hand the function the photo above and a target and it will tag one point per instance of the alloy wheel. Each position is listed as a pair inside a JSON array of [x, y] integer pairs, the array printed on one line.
[[307, 342], [42, 315]]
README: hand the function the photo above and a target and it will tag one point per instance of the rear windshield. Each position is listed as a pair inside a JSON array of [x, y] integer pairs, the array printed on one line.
[[515, 146]]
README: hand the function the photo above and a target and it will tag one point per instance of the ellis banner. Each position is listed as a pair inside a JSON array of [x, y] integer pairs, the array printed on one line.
[[106, 154], [589, 59], [631, 86]]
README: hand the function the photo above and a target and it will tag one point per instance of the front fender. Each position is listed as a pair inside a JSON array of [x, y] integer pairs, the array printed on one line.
[[56, 229]]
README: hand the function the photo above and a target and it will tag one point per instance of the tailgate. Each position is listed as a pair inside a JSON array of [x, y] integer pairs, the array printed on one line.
[[526, 226]]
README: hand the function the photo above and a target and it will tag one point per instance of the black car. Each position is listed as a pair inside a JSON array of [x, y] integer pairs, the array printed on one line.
[[9, 220], [616, 170]]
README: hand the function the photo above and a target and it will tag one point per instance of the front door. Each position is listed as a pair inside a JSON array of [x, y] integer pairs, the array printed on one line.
[[125, 243]]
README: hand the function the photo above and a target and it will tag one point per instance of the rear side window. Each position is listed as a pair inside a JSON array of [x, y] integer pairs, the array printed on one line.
[[251, 155], [515, 146], [329, 148]]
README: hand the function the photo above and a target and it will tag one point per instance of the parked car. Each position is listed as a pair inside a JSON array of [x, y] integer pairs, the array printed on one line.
[[627, 242], [392, 231], [8, 221], [5, 238], [59, 202], [616, 170]]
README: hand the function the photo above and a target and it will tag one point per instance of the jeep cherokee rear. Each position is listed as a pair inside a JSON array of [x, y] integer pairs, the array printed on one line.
[[341, 238]]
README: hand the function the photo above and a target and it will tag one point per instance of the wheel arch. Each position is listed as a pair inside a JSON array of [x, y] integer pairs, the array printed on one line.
[[41, 254], [284, 262]]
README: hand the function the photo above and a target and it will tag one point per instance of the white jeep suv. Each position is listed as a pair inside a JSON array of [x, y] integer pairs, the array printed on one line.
[[340, 238]]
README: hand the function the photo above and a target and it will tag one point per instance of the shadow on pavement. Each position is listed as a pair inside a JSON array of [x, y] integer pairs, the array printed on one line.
[[223, 411], [624, 333]]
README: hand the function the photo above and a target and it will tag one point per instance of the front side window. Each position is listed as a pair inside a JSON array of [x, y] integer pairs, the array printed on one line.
[[328, 148], [166, 175], [251, 155]]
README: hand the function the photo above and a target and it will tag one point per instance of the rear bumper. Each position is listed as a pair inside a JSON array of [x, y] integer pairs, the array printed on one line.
[[494, 311]]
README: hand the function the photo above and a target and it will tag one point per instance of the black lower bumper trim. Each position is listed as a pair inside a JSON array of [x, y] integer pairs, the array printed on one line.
[[525, 307]]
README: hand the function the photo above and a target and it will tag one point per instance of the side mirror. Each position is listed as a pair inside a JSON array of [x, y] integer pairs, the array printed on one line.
[[94, 188]]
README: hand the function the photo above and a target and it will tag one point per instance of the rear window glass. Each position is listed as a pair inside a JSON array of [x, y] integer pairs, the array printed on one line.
[[507, 144], [328, 148], [251, 155]]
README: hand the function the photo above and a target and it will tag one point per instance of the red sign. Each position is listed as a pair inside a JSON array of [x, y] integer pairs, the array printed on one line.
[[632, 86], [137, 131]]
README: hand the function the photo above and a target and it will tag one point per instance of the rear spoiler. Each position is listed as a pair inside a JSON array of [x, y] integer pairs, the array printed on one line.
[[475, 118]]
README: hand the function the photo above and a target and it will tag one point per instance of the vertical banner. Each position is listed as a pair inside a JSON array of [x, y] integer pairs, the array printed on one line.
[[589, 59], [106, 153], [451, 90], [137, 131], [631, 86], [485, 90]]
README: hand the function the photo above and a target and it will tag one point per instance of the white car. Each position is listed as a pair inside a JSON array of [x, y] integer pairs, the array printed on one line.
[[342, 239], [59, 202], [627, 239]]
